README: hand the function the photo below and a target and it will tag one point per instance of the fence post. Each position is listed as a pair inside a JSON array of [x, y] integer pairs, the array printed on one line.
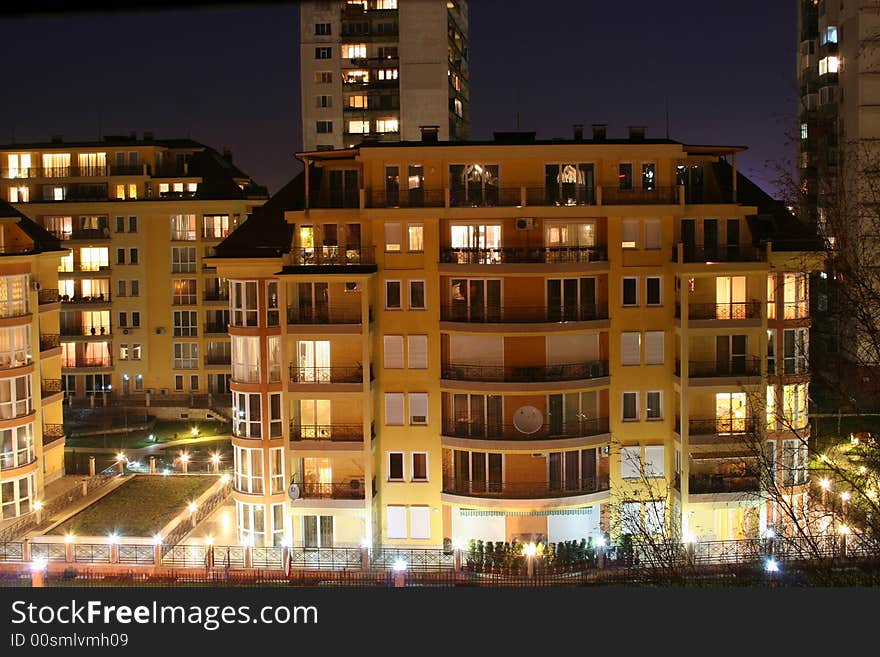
[[248, 553], [456, 559], [91, 466], [114, 552], [399, 579], [157, 554], [152, 465], [600, 557], [68, 551], [26, 550], [365, 557], [85, 487]]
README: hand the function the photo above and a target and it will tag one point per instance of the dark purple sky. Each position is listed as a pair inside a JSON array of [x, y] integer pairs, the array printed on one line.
[[229, 76]]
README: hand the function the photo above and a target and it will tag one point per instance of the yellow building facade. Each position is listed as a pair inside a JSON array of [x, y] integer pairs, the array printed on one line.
[[142, 316], [515, 339], [31, 435]]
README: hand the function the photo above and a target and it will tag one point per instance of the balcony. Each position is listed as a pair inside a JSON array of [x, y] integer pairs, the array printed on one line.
[[48, 295], [488, 197], [700, 484], [329, 199], [709, 311], [130, 170], [300, 374], [796, 310], [90, 234], [56, 172], [523, 314], [332, 256], [719, 426], [513, 374], [86, 300], [738, 366], [549, 255], [96, 363], [49, 387], [210, 295], [326, 432], [216, 328], [78, 331], [52, 432], [490, 431], [219, 359], [413, 198], [323, 316], [656, 196], [342, 490], [542, 196], [524, 490], [698, 253], [49, 341]]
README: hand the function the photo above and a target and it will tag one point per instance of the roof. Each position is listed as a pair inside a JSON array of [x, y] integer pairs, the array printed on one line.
[[43, 240], [109, 141]]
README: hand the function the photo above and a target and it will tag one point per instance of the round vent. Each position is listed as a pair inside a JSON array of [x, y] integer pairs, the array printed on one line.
[[527, 419]]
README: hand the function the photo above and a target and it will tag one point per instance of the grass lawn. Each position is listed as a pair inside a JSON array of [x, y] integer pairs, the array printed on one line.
[[139, 507], [163, 432]]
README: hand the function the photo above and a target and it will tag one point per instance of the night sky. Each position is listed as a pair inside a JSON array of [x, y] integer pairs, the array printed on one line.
[[229, 75]]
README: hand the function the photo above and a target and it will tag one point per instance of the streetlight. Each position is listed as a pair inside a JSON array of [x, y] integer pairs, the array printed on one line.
[[530, 549], [192, 507], [215, 461], [184, 459]]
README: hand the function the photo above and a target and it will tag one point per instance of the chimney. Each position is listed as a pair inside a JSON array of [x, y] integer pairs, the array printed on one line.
[[578, 131], [600, 131], [57, 139], [227, 154], [148, 136], [637, 133], [430, 134]]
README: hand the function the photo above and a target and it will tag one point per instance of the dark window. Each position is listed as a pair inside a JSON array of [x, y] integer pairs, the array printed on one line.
[[120, 224], [324, 127], [322, 28], [625, 175], [630, 297], [653, 296], [630, 410], [323, 53], [392, 295], [395, 465]]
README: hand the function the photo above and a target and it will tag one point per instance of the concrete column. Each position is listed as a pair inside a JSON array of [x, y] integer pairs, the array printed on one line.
[[85, 487], [68, 552], [26, 550], [185, 466], [248, 556], [598, 194], [157, 554], [38, 578], [120, 465], [399, 579], [114, 553]]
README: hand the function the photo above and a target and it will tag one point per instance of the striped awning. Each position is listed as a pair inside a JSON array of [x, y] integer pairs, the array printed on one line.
[[477, 513]]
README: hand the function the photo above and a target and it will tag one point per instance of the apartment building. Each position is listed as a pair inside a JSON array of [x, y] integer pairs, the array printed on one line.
[[379, 69], [142, 315], [526, 339], [31, 436]]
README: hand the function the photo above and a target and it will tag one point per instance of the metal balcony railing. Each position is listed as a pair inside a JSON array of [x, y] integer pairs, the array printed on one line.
[[524, 314], [796, 310], [485, 197], [733, 310], [412, 198], [216, 327], [209, 295], [82, 330], [48, 295], [329, 432], [613, 195], [719, 426], [323, 316], [104, 297], [523, 374], [72, 171], [299, 374], [83, 234], [353, 489], [218, 359], [737, 366], [52, 432], [49, 341], [336, 199], [50, 387], [517, 255], [719, 253], [332, 255], [552, 196], [90, 362], [551, 431], [722, 483], [524, 489]]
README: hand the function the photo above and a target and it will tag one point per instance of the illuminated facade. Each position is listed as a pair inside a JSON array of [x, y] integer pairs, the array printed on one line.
[[380, 69], [141, 313], [527, 339], [31, 436]]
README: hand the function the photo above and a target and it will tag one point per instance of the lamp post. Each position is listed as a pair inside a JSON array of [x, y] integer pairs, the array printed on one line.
[[192, 507], [215, 462], [184, 462], [120, 462], [530, 550]]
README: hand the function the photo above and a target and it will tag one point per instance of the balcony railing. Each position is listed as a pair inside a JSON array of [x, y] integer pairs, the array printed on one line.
[[333, 255], [719, 253], [218, 359], [516, 255], [333, 199], [734, 310], [73, 171], [211, 295], [524, 490], [89, 362], [130, 170], [490, 431], [524, 314], [52, 432], [658, 196], [323, 316], [553, 197], [796, 310], [486, 197], [50, 387], [738, 366], [719, 426], [299, 374], [49, 341], [82, 330], [337, 490], [100, 298], [83, 234], [721, 483], [515, 374], [48, 295], [329, 432], [413, 198], [217, 327]]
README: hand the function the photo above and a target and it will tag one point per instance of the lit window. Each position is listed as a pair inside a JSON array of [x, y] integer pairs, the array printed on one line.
[[387, 74], [387, 125], [357, 76], [804, 131], [354, 51], [828, 35], [359, 127], [358, 101], [830, 64]]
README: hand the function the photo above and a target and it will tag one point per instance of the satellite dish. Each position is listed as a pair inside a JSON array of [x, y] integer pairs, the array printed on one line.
[[293, 491], [528, 419]]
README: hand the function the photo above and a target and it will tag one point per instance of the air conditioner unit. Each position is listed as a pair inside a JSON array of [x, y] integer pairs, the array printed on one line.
[[35, 286], [525, 223]]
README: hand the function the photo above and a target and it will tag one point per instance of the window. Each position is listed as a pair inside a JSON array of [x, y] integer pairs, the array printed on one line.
[[324, 77], [354, 51], [625, 175], [417, 349], [120, 256], [418, 408], [771, 296], [132, 224], [655, 516], [215, 226], [771, 352], [805, 132], [185, 322], [357, 101], [396, 521], [631, 462], [630, 406], [317, 532], [473, 185], [273, 354], [120, 288], [275, 420], [649, 170], [393, 237], [393, 409], [183, 227], [273, 312], [324, 127], [387, 74], [15, 397], [654, 405], [249, 470], [419, 471], [16, 447], [387, 124], [15, 346], [123, 352], [830, 64], [246, 414], [629, 234], [392, 295], [276, 470], [653, 294], [652, 234], [654, 352], [120, 224], [655, 461], [134, 288], [420, 522], [630, 348], [630, 291], [395, 466], [730, 412], [14, 295], [245, 358], [323, 52], [416, 295], [135, 318], [323, 101], [178, 381], [244, 303], [92, 258], [794, 406], [828, 35], [183, 291], [322, 29], [183, 259], [186, 355], [16, 496], [393, 352], [358, 127], [415, 238]]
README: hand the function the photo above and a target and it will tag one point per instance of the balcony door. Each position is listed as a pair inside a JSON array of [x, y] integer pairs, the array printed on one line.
[[317, 477], [569, 413], [317, 532], [475, 300], [710, 238], [478, 472], [314, 418], [571, 299], [311, 303], [730, 297], [689, 239], [313, 360], [476, 243], [730, 412], [730, 354], [478, 416]]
